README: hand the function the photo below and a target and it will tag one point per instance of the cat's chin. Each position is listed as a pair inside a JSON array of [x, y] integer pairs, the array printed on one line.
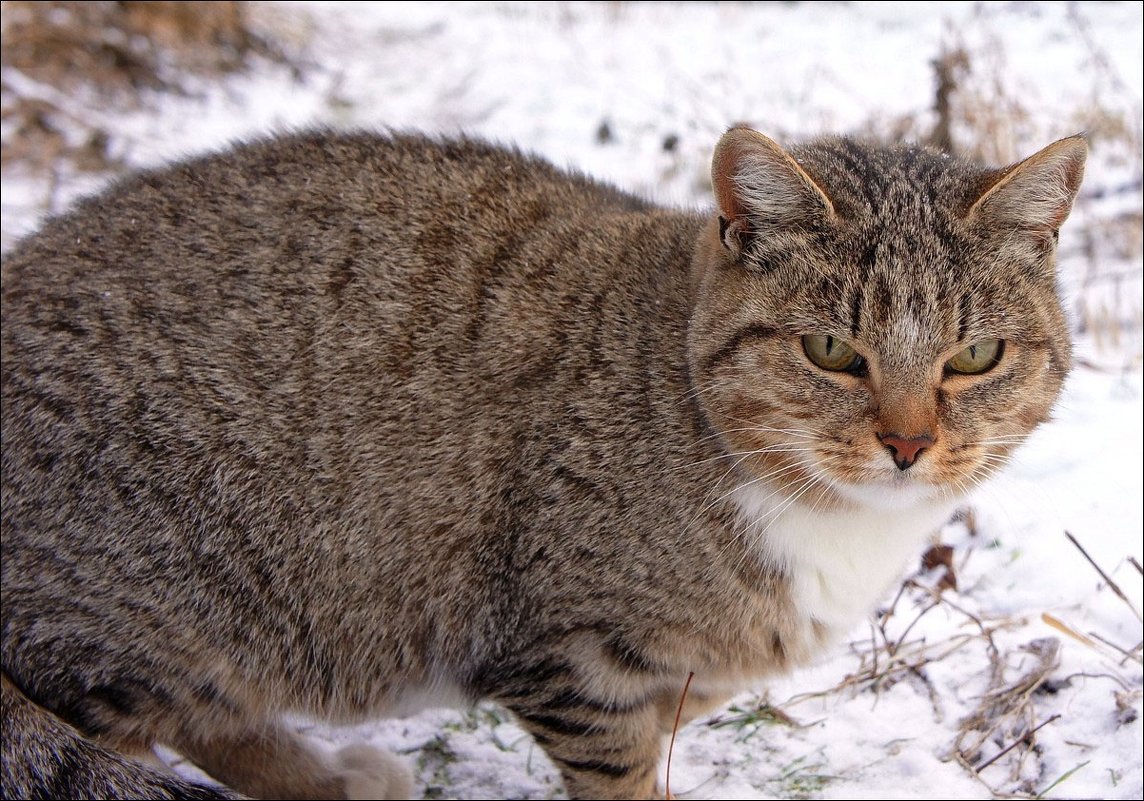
[[895, 492]]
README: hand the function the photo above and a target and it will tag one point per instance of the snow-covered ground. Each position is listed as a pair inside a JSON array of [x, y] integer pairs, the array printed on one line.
[[921, 699]]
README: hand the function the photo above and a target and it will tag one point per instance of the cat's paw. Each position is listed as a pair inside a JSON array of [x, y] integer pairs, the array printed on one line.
[[370, 773]]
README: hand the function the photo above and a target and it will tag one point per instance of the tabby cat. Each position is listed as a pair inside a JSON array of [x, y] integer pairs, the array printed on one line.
[[330, 423]]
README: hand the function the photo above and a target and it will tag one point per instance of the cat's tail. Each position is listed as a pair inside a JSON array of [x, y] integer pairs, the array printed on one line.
[[43, 757]]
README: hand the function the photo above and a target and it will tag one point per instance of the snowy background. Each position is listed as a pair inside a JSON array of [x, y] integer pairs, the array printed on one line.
[[1024, 679]]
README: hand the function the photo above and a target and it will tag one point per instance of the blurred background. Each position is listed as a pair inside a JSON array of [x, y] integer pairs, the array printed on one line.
[[636, 93]]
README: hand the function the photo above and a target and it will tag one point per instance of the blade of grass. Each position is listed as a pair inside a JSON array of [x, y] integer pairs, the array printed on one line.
[[1111, 584], [1066, 775]]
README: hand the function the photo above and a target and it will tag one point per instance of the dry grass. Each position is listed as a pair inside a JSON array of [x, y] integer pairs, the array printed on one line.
[[119, 54], [122, 47], [979, 113], [996, 742], [1005, 720]]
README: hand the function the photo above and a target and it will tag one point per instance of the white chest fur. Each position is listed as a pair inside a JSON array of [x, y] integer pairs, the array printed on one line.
[[840, 563]]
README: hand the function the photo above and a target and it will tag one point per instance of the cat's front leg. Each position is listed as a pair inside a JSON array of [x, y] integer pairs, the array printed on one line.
[[677, 709], [603, 750]]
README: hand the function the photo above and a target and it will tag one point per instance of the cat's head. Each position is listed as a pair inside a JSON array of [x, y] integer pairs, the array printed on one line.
[[878, 324]]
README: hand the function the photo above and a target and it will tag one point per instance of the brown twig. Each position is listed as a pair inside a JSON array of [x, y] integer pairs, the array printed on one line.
[[898, 644], [1124, 685], [986, 632], [1022, 739], [1124, 651], [898, 665], [931, 691], [1111, 584], [671, 747]]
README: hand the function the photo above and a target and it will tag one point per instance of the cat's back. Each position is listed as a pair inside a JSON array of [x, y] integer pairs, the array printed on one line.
[[285, 238], [312, 319], [299, 259], [295, 204]]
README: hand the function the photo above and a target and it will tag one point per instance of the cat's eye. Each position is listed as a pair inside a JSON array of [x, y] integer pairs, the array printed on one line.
[[831, 353], [977, 358]]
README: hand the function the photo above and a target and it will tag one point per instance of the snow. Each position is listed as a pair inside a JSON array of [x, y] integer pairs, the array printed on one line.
[[605, 88]]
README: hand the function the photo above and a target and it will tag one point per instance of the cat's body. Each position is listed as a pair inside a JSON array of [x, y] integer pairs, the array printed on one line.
[[330, 423]]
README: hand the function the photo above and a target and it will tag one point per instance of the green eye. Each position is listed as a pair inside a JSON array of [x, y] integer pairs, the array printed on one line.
[[977, 358], [831, 353]]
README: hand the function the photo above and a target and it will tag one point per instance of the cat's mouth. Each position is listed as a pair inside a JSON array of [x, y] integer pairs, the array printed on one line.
[[889, 491]]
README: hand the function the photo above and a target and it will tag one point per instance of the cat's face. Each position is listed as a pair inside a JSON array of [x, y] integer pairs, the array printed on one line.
[[879, 326]]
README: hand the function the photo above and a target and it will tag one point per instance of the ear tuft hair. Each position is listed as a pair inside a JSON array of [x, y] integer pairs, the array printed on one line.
[[1037, 194], [759, 186]]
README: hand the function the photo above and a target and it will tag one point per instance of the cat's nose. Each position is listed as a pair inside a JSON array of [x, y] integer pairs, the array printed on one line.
[[905, 450]]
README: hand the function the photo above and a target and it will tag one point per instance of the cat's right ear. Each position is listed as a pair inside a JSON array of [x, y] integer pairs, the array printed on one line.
[[760, 187], [1025, 204]]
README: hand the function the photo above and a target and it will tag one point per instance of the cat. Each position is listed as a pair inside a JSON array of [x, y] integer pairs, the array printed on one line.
[[330, 422]]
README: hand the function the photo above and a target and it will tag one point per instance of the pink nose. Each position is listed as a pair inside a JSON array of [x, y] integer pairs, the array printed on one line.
[[905, 450]]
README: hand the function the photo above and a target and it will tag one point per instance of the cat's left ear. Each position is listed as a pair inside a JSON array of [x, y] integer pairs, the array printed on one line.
[[1033, 196]]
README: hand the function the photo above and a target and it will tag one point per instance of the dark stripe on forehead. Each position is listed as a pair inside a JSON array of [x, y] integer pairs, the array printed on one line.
[[884, 294], [867, 261], [965, 309], [871, 182], [856, 313], [926, 174], [917, 303]]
